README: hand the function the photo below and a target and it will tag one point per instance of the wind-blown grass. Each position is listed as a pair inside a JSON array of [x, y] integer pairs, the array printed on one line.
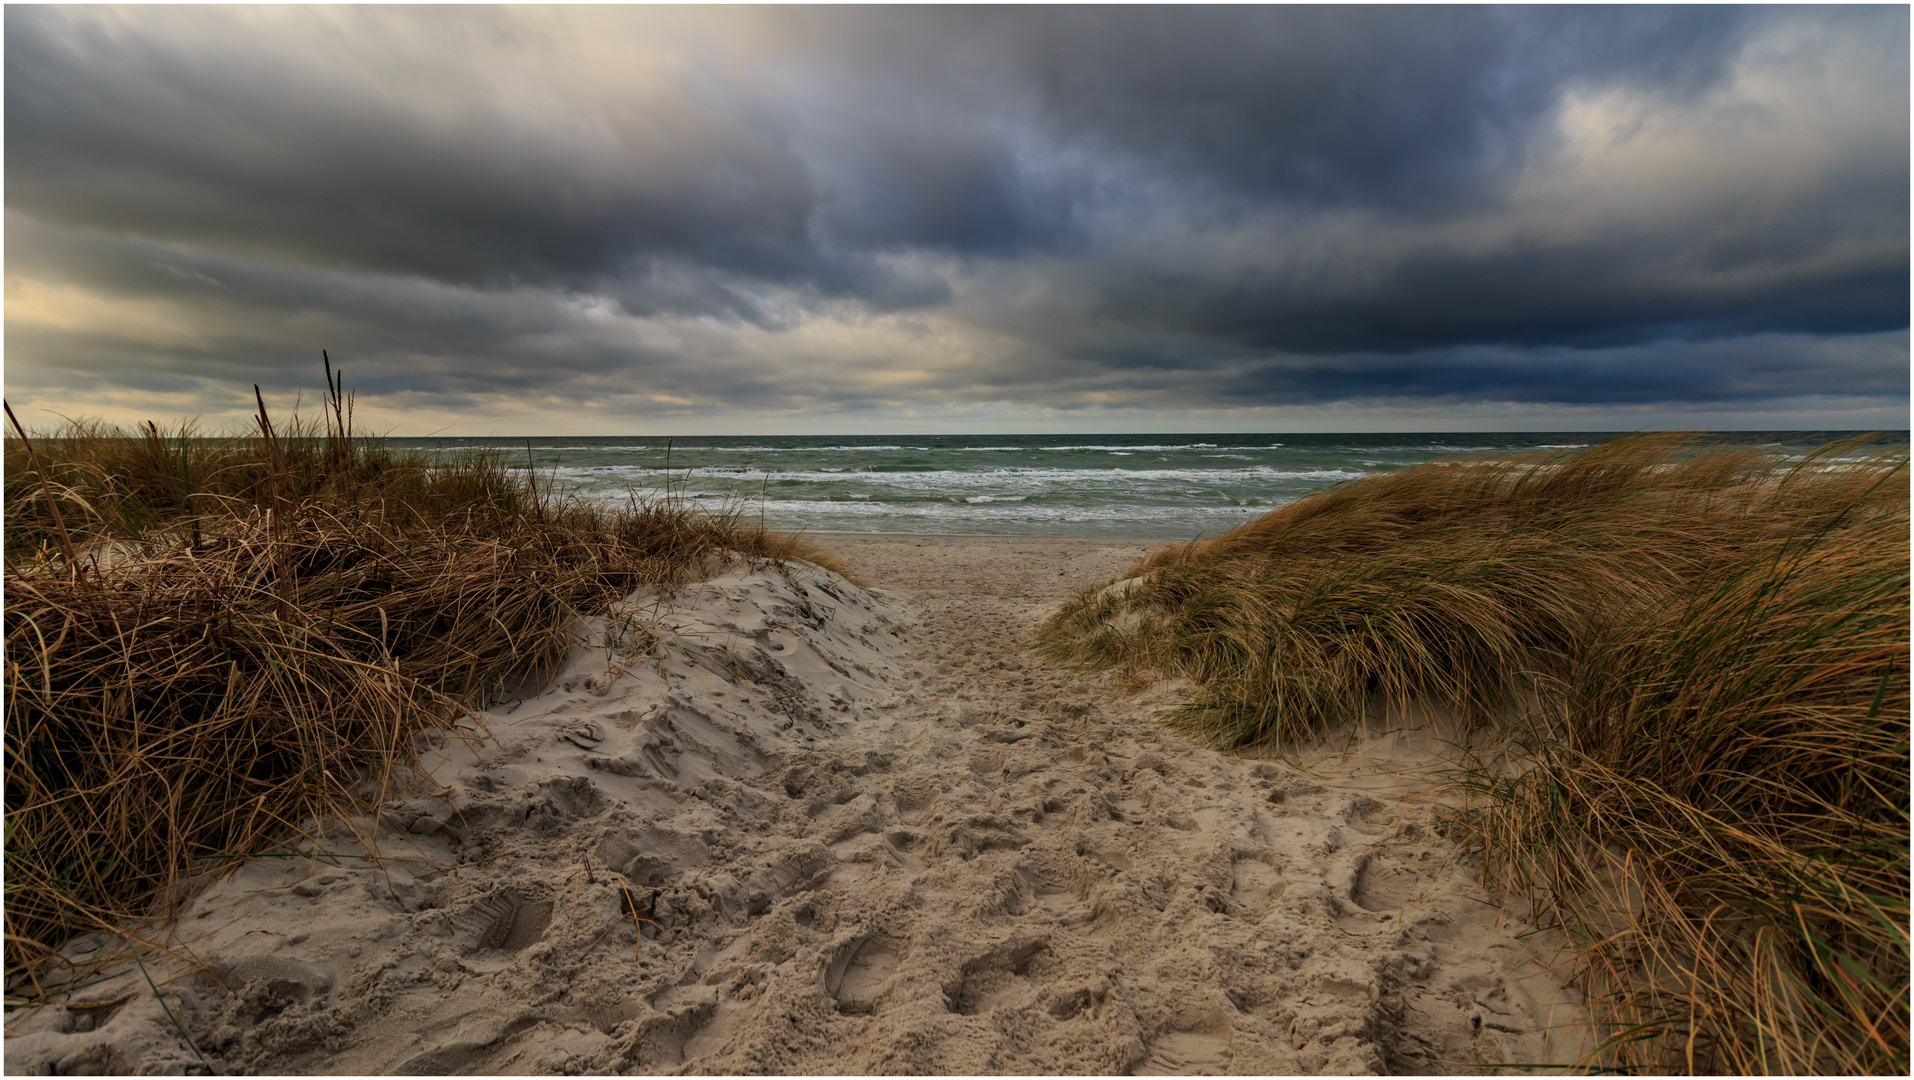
[[1718, 806], [209, 640], [1713, 647]]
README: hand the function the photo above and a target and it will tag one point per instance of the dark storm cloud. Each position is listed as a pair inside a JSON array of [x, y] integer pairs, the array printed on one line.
[[254, 320], [1415, 109], [272, 152], [1238, 205], [213, 140], [1754, 368], [1591, 295]]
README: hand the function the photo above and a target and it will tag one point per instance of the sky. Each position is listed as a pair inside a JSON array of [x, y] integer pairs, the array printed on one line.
[[722, 220]]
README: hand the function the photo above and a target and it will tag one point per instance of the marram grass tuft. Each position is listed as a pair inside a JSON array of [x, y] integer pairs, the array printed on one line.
[[1718, 807], [1710, 650], [209, 640]]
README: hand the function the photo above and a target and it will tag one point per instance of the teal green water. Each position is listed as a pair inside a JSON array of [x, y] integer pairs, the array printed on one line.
[[1073, 485]]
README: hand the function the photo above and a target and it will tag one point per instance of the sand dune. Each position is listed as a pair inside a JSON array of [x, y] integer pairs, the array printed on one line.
[[858, 831]]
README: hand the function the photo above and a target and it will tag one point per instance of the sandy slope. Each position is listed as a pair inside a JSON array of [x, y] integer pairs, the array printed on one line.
[[865, 832]]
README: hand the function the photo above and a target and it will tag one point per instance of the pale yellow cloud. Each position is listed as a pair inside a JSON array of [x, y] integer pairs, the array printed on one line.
[[62, 306]]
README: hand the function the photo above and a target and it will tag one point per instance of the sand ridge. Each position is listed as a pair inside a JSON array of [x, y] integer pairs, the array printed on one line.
[[859, 830]]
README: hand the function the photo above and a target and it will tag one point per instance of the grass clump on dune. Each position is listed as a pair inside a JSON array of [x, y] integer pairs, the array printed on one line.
[[1718, 807], [209, 640], [1711, 646]]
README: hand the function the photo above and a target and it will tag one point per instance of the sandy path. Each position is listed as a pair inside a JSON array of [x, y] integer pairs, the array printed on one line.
[[867, 833], [1243, 915]]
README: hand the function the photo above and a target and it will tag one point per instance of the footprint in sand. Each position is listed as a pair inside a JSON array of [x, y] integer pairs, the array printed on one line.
[[465, 1045], [1187, 1053], [505, 923], [999, 977], [859, 972], [1381, 885], [1256, 881], [664, 1040]]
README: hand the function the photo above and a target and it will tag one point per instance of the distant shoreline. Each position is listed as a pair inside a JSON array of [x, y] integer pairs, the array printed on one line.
[[1007, 537]]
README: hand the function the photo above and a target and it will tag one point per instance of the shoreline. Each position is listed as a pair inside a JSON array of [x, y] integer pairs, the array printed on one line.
[[983, 536], [1066, 538]]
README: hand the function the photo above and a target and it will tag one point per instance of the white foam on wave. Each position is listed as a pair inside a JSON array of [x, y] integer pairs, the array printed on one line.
[[797, 449], [1010, 475], [1150, 446], [519, 449], [959, 517]]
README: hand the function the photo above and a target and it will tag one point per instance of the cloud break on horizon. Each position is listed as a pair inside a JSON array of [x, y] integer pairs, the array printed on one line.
[[794, 220]]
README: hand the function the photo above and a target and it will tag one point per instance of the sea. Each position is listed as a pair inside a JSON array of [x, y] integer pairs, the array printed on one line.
[[1181, 486]]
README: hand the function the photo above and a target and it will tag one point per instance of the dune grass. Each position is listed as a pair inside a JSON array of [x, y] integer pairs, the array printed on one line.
[[210, 640], [1718, 807], [1711, 646]]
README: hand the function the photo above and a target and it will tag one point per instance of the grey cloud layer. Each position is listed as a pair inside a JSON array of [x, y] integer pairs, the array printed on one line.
[[763, 207]]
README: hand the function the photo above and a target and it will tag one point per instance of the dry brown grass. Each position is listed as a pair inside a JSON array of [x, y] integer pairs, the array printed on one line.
[[209, 641], [1717, 641], [1457, 583], [1717, 809]]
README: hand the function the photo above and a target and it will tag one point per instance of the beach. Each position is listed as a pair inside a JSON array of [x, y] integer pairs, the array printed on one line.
[[1094, 540], [859, 831]]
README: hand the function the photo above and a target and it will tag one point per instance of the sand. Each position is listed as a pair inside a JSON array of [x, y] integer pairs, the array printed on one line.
[[776, 822]]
